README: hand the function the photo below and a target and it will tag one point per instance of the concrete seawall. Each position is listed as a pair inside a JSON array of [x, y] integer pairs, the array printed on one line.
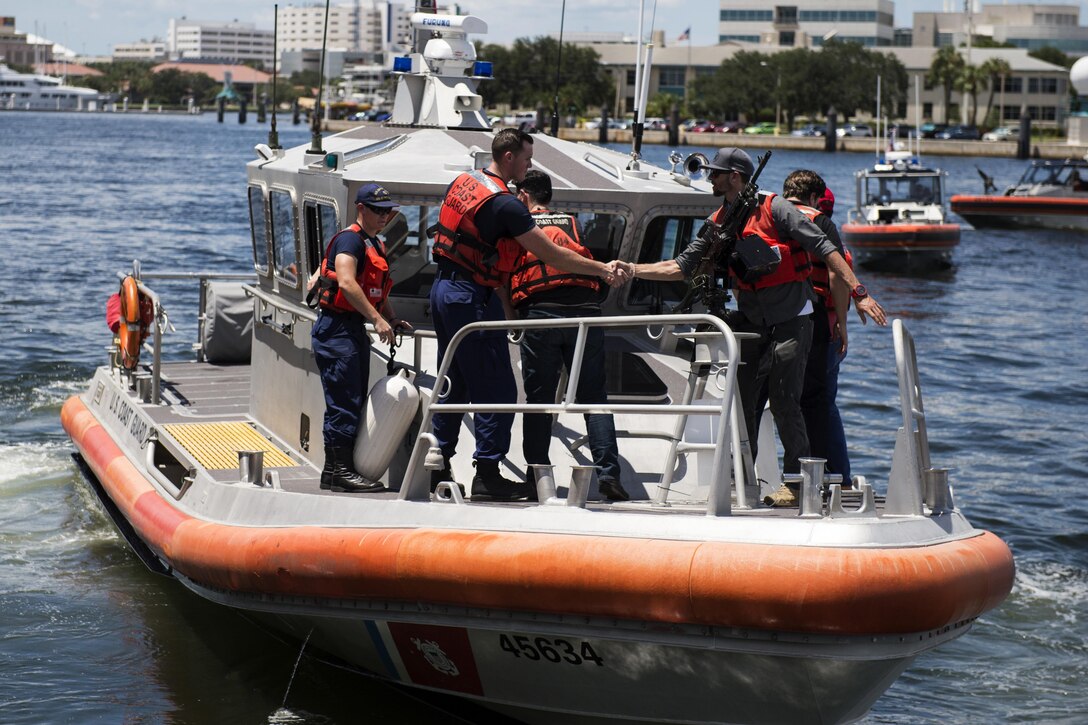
[[1007, 149]]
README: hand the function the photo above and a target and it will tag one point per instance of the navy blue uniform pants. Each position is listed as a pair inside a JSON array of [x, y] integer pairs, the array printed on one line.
[[544, 352], [480, 371], [342, 352]]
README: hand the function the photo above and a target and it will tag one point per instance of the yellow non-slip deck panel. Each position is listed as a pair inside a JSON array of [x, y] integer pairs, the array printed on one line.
[[215, 445]]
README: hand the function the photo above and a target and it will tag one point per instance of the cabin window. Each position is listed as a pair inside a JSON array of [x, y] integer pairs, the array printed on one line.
[[408, 249], [284, 249], [902, 189], [258, 227], [321, 227], [666, 237], [601, 233]]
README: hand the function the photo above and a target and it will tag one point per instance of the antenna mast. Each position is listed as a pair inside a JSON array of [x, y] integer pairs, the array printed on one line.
[[315, 126], [558, 67], [273, 137]]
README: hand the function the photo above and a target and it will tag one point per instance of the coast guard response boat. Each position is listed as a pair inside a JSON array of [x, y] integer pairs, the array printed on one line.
[[690, 603]]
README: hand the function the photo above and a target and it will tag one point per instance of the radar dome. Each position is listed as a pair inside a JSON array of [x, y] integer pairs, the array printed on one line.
[[1078, 76]]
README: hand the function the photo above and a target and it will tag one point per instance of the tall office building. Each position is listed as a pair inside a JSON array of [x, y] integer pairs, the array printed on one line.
[[1020, 25], [232, 41], [363, 26], [806, 23]]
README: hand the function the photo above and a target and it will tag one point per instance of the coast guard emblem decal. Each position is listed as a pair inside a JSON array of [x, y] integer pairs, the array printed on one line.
[[439, 657]]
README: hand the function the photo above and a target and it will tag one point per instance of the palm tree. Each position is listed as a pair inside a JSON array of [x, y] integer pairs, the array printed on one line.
[[970, 82], [997, 70], [945, 71]]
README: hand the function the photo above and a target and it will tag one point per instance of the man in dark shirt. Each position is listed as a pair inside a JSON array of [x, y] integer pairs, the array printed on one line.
[[537, 292], [778, 314], [482, 228]]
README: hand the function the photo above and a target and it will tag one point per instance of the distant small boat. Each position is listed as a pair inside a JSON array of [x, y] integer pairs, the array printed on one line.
[[899, 221], [1050, 194]]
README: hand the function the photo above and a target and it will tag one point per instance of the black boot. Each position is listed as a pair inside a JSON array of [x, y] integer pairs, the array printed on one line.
[[326, 472], [489, 485], [612, 490], [446, 474], [346, 478]]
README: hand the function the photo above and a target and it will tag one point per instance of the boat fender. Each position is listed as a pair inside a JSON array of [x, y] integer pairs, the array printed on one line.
[[390, 409], [136, 314]]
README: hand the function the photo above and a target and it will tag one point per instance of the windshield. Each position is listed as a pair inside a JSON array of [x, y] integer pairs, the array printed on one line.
[[1055, 174], [903, 190], [666, 237]]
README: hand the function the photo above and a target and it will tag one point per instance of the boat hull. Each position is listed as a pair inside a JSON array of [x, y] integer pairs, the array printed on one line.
[[605, 627], [997, 212], [902, 247]]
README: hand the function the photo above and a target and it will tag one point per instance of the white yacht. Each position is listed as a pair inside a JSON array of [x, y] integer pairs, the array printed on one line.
[[37, 92]]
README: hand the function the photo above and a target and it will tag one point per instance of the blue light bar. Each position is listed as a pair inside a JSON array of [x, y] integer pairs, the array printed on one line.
[[402, 64], [482, 68]]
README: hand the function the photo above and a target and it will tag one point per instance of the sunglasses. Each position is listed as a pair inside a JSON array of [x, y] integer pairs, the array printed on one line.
[[380, 210], [715, 173]]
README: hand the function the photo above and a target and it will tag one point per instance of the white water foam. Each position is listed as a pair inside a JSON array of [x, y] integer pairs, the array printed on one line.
[[1061, 587], [33, 463]]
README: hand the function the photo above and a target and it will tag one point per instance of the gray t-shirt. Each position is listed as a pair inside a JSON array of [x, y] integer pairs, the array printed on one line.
[[772, 305]]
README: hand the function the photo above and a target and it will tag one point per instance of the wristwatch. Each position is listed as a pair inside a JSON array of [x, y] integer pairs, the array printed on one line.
[[859, 292]]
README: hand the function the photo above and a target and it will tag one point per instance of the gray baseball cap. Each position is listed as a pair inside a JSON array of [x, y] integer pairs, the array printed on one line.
[[732, 159]]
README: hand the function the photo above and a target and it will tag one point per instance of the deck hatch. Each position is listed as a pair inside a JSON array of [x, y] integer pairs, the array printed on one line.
[[215, 445]]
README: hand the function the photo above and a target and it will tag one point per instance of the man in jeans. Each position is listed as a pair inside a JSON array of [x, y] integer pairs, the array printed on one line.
[[775, 307], [540, 291]]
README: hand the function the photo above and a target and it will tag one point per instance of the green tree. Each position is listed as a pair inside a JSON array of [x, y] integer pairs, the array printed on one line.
[[793, 86], [972, 79], [996, 71], [525, 75], [945, 71], [1050, 54]]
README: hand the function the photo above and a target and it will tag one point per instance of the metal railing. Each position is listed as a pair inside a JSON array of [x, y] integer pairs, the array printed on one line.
[[721, 354]]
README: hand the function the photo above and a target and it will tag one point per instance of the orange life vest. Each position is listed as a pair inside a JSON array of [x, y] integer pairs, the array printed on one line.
[[531, 276], [796, 263], [372, 275], [820, 278], [457, 238]]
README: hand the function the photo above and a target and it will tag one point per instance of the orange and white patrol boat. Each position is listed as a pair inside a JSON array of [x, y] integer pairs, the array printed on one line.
[[899, 223], [1050, 195], [690, 603]]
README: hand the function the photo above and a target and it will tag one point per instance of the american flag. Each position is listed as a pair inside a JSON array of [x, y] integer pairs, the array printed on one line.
[[685, 35]]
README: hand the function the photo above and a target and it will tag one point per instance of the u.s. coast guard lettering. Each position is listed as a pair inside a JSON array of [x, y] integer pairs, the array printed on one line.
[[124, 413]]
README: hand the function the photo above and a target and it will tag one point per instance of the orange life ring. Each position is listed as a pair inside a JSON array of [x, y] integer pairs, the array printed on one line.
[[132, 330]]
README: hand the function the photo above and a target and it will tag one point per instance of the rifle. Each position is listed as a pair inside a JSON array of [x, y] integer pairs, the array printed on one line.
[[722, 242]]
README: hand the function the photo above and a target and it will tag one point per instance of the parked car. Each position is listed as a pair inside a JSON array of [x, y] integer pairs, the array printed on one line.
[[930, 130], [1003, 133], [902, 130], [960, 133], [763, 127], [811, 129], [612, 123], [853, 129], [656, 124], [703, 127], [730, 127]]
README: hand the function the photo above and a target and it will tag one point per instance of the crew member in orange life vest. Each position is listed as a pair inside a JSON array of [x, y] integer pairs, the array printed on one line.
[[539, 291], [353, 283], [776, 307], [481, 229]]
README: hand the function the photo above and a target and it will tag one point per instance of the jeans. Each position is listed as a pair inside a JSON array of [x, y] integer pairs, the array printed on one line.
[[814, 400], [480, 371], [544, 352], [776, 359]]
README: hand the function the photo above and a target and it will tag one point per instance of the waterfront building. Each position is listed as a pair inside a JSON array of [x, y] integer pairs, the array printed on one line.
[[1022, 25], [232, 42], [17, 48], [370, 27], [154, 49], [1034, 87], [806, 23], [245, 80]]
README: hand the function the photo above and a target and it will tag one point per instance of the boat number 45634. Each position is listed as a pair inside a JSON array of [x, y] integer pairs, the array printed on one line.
[[550, 650]]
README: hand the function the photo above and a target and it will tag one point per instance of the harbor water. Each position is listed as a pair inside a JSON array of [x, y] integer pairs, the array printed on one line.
[[90, 636]]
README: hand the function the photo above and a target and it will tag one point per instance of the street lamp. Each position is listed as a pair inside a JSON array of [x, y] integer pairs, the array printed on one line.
[[777, 97]]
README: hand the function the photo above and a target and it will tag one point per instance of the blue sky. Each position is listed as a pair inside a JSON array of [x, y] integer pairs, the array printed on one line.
[[94, 26]]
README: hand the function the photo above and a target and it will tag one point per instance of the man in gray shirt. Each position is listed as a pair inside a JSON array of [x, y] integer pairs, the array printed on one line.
[[776, 307]]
